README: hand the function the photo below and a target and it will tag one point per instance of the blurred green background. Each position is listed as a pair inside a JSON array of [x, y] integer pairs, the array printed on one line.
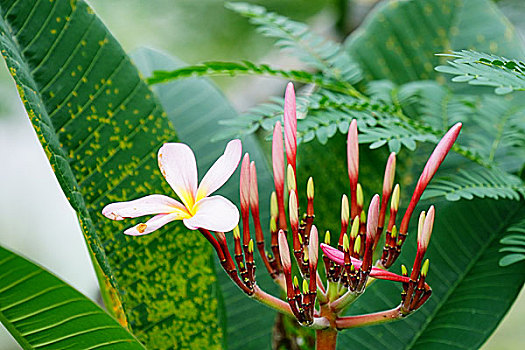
[[32, 206]]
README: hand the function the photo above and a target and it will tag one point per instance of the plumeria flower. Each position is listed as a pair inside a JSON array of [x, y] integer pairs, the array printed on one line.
[[198, 209]]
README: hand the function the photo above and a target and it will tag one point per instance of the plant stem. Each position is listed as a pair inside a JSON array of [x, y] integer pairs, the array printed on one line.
[[325, 339], [369, 319], [271, 301]]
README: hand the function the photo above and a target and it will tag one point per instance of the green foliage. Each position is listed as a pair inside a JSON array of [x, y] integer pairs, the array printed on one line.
[[324, 113], [480, 182], [197, 104], [101, 126], [470, 292], [498, 130], [514, 242], [249, 68], [494, 128], [42, 312], [388, 46], [427, 101], [477, 68], [314, 50]]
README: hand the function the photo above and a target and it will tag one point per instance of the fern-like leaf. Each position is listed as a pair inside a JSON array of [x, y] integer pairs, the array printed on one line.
[[497, 130], [217, 68], [323, 113], [427, 101], [480, 182], [316, 51], [477, 68], [515, 244]]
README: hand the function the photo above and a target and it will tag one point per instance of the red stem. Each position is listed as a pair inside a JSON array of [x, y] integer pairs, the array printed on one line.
[[213, 242], [369, 319]]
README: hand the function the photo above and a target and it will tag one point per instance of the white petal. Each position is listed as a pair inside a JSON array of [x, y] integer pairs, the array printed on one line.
[[153, 204], [221, 170], [152, 224], [214, 213], [177, 164]]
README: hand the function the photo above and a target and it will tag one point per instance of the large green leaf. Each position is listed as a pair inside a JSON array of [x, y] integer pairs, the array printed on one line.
[[195, 107], [400, 39], [42, 312], [101, 127], [471, 293]]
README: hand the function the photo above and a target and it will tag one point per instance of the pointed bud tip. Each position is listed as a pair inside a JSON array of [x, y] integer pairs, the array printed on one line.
[[373, 217], [420, 225], [313, 245], [424, 268], [292, 208], [236, 232], [352, 151], [327, 238], [390, 172], [305, 287], [394, 204], [295, 282], [359, 195], [284, 251], [250, 246], [310, 188], [357, 245], [273, 224], [290, 178], [426, 230], [345, 209], [404, 270], [274, 209], [346, 243], [355, 227]]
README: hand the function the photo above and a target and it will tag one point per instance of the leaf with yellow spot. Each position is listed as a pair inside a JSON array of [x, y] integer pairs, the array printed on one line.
[[78, 64]]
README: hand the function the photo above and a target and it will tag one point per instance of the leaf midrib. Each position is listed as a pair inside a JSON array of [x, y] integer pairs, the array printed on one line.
[[460, 279]]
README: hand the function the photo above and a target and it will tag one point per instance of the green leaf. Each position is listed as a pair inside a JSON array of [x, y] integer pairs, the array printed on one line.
[[318, 52], [477, 68], [196, 104], [399, 39], [514, 242], [101, 126], [217, 68], [41, 311], [471, 293], [496, 130], [482, 183]]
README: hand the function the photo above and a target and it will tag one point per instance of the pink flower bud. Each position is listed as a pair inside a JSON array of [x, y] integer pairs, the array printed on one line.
[[433, 163], [313, 247], [254, 191], [353, 154], [345, 211], [372, 219], [294, 214], [290, 125], [424, 238], [245, 185], [390, 172], [284, 251], [278, 157], [278, 171]]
